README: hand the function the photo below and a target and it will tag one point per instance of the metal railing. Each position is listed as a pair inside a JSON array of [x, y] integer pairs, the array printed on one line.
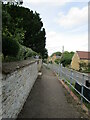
[[72, 77]]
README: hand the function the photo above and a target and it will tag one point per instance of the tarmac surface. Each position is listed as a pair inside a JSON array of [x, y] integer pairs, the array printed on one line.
[[47, 99]]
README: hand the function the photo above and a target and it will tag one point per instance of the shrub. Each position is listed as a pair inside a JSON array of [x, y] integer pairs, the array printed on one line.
[[13, 51], [56, 53], [57, 61], [45, 61], [25, 52], [28, 53], [83, 66], [10, 59], [10, 47], [50, 62], [34, 53]]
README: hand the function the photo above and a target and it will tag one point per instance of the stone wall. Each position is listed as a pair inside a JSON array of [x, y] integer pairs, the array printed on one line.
[[16, 87]]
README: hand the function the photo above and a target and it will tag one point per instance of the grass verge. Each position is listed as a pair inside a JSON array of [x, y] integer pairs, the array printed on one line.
[[77, 94]]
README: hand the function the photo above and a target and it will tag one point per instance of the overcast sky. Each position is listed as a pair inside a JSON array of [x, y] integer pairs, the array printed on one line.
[[65, 22]]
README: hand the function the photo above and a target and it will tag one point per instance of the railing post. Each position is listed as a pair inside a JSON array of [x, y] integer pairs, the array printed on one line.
[[82, 88], [52, 67], [71, 78], [64, 74], [61, 71]]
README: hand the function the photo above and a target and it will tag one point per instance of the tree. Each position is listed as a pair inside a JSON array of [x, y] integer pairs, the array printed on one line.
[[57, 54], [10, 47], [57, 61], [12, 24], [12, 37], [45, 54], [66, 58], [29, 26]]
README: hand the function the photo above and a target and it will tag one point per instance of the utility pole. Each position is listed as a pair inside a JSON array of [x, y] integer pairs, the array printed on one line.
[[62, 49]]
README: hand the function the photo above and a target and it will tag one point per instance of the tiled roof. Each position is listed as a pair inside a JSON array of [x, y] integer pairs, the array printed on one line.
[[83, 55]]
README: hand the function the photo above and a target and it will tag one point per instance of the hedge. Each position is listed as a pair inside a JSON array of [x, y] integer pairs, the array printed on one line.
[[25, 53]]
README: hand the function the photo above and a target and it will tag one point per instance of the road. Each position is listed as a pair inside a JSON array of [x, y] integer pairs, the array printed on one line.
[[47, 99], [77, 76]]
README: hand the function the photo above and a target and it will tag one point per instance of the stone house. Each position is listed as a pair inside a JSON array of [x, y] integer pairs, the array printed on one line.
[[80, 57], [49, 59], [54, 57]]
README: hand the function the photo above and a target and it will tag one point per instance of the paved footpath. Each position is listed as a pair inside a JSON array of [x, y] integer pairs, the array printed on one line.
[[47, 99]]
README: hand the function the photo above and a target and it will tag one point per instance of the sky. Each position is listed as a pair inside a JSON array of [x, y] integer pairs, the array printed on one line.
[[65, 22]]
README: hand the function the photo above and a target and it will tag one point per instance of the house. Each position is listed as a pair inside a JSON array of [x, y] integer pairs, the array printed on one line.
[[49, 59], [80, 57], [54, 57]]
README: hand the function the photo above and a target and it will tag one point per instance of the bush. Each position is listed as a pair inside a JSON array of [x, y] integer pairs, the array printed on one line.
[[10, 59], [57, 61], [45, 61], [10, 47], [1, 57], [84, 67], [13, 51], [56, 53], [25, 53], [34, 53], [50, 62]]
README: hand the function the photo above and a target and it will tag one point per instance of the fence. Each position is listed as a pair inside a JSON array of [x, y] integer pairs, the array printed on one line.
[[75, 79]]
